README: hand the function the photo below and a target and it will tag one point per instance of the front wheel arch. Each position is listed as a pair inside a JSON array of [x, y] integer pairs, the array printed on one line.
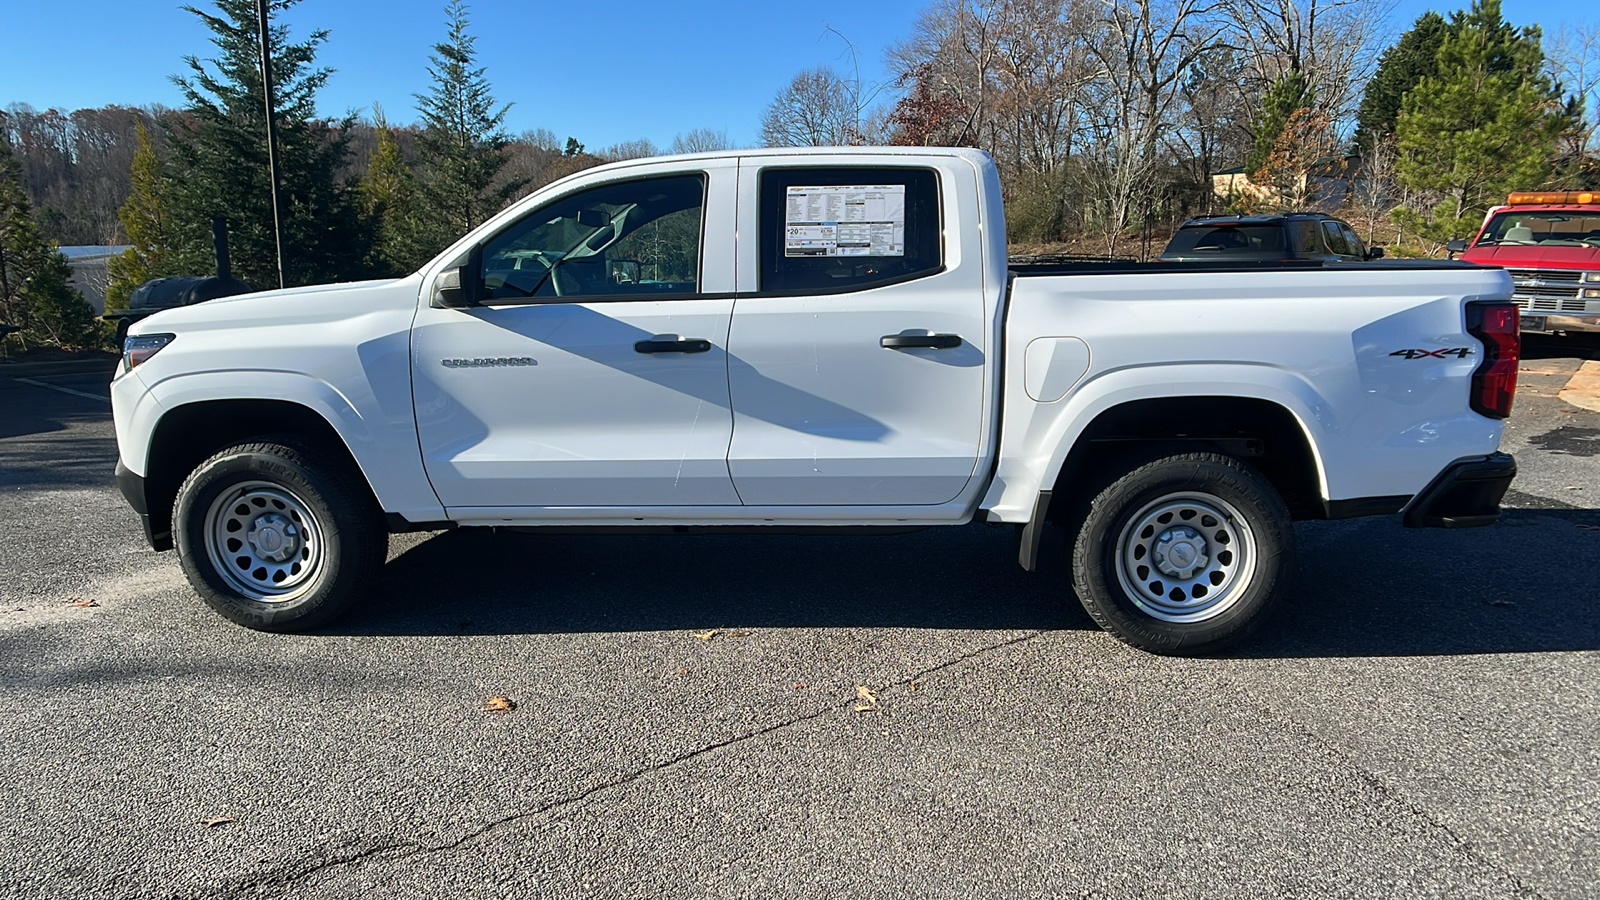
[[187, 435]]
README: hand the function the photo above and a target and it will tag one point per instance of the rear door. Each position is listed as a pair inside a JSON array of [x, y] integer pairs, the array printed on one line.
[[857, 351]]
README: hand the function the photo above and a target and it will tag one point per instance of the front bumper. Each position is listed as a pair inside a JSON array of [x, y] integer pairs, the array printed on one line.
[[132, 487], [1466, 494], [1549, 322]]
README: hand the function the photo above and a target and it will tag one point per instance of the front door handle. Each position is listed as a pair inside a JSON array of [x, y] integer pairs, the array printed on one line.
[[662, 344], [920, 341]]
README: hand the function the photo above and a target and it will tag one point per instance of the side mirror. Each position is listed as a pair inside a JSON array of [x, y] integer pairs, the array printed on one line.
[[1374, 253], [448, 292], [1456, 246]]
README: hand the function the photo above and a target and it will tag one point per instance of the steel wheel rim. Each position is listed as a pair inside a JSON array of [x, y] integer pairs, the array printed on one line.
[[1186, 557], [264, 540]]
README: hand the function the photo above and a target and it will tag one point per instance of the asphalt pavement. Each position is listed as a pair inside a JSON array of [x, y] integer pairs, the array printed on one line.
[[732, 716]]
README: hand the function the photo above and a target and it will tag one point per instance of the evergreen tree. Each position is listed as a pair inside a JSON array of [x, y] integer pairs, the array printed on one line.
[[1486, 123], [462, 138], [1409, 60], [34, 294], [1280, 106], [389, 202], [146, 220], [219, 159]]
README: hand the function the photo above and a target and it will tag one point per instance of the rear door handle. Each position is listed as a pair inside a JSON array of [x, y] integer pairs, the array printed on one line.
[[920, 341], [661, 344]]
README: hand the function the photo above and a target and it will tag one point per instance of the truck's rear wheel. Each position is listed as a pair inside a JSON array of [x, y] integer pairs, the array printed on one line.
[[1183, 555], [274, 540]]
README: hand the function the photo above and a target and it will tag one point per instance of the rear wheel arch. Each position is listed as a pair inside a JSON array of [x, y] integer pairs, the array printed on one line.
[[1263, 433], [187, 435]]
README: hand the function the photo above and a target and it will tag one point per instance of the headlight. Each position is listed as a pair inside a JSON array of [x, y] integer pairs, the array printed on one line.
[[1593, 277], [138, 348]]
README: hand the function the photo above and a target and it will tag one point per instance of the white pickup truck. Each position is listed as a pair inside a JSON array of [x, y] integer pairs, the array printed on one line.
[[809, 340]]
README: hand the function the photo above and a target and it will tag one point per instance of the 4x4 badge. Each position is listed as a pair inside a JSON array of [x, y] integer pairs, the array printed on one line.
[[1457, 352]]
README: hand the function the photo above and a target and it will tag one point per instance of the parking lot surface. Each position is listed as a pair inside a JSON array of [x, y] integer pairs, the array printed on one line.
[[731, 716]]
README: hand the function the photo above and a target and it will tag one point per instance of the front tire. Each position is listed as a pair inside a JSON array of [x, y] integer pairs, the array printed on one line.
[[274, 539], [1184, 555]]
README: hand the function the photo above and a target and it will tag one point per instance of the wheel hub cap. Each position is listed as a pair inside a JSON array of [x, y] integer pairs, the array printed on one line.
[[274, 537], [1185, 557], [264, 541], [1180, 551]]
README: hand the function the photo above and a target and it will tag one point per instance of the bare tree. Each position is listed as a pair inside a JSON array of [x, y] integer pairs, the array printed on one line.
[[701, 140], [817, 109], [1144, 50], [1574, 58], [636, 149]]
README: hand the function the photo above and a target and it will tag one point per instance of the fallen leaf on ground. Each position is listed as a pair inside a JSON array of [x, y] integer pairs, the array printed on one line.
[[83, 604], [800, 685], [738, 634], [683, 671], [707, 635], [914, 684], [214, 821], [866, 700], [499, 705]]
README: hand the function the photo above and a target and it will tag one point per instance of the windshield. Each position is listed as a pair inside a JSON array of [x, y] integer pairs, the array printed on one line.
[[1549, 228], [1226, 240]]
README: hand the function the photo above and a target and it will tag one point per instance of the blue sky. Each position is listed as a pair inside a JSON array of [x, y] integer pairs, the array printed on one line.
[[604, 72]]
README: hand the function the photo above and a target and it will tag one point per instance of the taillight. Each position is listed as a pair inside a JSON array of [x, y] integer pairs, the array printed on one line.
[[1494, 382]]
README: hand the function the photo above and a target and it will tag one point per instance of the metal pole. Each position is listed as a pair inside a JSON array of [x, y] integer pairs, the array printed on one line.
[[272, 132]]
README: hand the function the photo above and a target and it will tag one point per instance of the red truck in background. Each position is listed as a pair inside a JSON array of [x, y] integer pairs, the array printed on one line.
[[1550, 243]]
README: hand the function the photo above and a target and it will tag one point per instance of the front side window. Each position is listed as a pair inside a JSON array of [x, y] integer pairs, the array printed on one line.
[[624, 240], [832, 229], [1335, 238], [1352, 241]]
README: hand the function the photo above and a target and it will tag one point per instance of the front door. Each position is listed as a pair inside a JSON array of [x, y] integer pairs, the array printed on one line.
[[594, 370]]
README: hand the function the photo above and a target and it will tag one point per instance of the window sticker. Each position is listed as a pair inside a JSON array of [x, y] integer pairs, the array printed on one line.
[[845, 220]]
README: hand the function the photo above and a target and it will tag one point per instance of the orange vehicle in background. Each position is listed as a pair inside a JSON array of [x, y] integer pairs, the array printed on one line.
[[1550, 243]]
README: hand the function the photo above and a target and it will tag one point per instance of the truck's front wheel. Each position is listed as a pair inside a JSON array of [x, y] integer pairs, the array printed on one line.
[[272, 539], [1184, 554]]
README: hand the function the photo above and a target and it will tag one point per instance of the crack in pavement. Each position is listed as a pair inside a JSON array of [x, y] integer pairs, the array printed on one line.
[[1390, 793], [282, 880]]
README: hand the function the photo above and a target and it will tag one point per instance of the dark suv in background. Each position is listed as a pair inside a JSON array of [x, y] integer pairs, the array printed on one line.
[[1287, 236]]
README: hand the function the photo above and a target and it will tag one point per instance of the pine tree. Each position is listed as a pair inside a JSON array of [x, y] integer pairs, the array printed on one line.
[[462, 138], [147, 221], [1409, 60], [34, 293], [1486, 123], [1280, 107], [219, 159], [389, 202]]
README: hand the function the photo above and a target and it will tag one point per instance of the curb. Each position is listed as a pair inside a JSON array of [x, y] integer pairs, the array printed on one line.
[[1583, 389], [59, 367]]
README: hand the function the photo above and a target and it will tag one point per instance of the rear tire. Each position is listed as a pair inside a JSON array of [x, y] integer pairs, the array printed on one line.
[[1183, 555], [275, 539]]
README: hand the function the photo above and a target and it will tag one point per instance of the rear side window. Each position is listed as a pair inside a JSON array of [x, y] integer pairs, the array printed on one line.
[[1304, 236], [1226, 240], [833, 229]]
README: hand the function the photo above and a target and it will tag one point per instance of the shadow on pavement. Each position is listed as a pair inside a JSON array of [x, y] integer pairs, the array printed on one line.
[[1365, 587], [473, 581]]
